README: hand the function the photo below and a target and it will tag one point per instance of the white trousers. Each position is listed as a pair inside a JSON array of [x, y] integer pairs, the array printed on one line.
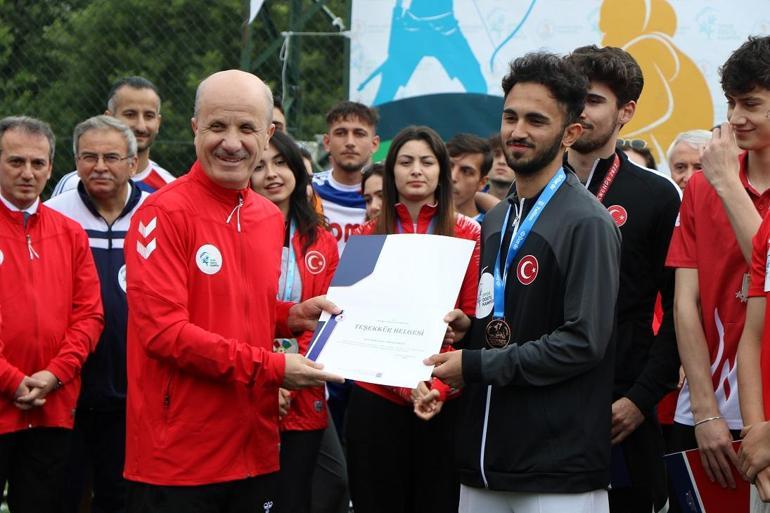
[[480, 500]]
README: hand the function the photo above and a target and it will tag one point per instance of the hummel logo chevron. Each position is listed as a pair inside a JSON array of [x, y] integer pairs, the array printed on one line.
[[147, 230], [147, 250]]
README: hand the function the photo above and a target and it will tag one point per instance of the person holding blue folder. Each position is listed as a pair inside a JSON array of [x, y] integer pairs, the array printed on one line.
[[308, 262], [396, 461]]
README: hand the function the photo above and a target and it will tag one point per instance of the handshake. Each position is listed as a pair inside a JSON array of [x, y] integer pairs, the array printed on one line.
[[33, 390]]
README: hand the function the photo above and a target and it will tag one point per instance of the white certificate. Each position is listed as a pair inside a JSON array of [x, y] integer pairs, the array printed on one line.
[[394, 292]]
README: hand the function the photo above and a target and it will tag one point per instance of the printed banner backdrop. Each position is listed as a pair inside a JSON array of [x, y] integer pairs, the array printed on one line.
[[418, 60]]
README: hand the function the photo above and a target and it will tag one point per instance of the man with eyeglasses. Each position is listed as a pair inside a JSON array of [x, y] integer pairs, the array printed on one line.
[[135, 101], [103, 203], [50, 319], [644, 206]]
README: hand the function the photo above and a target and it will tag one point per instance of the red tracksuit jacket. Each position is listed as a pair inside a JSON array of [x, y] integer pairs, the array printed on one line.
[[316, 269], [51, 312], [465, 228], [203, 264]]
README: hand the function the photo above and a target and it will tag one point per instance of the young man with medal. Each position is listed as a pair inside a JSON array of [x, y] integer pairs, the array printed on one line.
[[537, 368], [711, 250], [644, 205]]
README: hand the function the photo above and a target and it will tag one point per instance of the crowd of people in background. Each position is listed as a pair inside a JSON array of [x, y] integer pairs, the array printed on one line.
[[152, 328]]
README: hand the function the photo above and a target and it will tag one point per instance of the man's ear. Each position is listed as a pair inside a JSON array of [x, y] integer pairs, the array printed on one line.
[[326, 142], [194, 124], [571, 134], [482, 183], [626, 113]]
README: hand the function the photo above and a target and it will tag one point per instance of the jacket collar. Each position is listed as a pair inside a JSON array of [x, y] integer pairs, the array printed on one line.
[[227, 197], [600, 167], [427, 212], [134, 195], [16, 215]]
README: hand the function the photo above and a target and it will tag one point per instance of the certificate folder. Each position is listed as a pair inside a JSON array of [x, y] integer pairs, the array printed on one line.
[[394, 291], [696, 493]]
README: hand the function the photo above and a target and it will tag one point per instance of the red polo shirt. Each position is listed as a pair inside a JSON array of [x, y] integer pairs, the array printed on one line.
[[703, 239], [760, 286]]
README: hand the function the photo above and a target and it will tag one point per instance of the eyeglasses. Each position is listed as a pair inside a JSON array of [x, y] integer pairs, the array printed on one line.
[[110, 159], [632, 144]]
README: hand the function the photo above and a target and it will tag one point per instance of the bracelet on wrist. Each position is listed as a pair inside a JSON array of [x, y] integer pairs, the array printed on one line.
[[708, 419]]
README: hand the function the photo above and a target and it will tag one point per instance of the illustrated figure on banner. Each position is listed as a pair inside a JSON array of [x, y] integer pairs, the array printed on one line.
[[676, 96], [419, 29]]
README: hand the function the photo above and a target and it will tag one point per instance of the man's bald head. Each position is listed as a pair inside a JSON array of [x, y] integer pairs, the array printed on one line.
[[226, 81], [232, 126]]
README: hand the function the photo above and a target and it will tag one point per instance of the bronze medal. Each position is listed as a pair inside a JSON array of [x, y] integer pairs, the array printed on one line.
[[498, 333]]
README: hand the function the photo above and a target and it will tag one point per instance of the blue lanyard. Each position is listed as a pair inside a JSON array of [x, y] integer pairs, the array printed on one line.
[[518, 238], [431, 226], [291, 266]]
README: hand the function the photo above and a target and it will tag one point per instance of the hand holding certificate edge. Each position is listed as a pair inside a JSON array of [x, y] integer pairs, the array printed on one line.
[[449, 366], [299, 371]]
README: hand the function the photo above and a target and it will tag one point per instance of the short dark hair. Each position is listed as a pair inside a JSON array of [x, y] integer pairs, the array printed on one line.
[[467, 144], [278, 104], [134, 82], [495, 142], [374, 169], [612, 66], [558, 75], [31, 126], [747, 67], [346, 110]]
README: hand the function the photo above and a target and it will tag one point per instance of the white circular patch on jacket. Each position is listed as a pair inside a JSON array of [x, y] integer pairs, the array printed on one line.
[[315, 262], [485, 300], [208, 259], [2, 257], [122, 277]]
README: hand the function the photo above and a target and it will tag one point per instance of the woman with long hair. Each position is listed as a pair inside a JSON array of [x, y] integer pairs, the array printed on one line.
[[398, 461], [307, 266]]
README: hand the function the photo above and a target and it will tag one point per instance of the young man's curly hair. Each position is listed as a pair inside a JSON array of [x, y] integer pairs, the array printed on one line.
[[748, 67], [567, 85], [613, 67]]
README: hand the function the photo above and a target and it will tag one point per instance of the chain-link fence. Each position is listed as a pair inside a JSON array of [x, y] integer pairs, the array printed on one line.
[[58, 59]]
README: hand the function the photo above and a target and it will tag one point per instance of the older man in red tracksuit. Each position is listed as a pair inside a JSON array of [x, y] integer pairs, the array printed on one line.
[[203, 260], [51, 319]]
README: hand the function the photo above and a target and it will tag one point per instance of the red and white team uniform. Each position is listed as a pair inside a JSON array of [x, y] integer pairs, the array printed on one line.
[[703, 239], [760, 287], [343, 206], [203, 264]]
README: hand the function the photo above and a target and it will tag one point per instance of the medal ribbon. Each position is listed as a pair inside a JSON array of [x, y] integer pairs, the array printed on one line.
[[518, 237], [291, 266], [608, 179]]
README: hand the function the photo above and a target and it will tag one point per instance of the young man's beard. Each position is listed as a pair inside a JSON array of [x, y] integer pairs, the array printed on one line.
[[538, 161], [587, 145]]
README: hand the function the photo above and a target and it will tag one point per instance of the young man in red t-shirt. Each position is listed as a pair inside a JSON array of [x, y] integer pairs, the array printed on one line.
[[711, 249]]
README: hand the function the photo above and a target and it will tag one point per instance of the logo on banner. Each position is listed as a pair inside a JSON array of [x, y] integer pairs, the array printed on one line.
[[619, 214], [209, 259], [315, 262], [485, 299], [122, 277], [527, 269]]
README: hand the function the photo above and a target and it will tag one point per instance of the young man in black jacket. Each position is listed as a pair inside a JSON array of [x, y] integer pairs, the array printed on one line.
[[644, 205], [539, 357]]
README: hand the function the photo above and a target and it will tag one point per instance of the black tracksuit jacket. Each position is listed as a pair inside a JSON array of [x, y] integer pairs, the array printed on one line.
[[536, 414]]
